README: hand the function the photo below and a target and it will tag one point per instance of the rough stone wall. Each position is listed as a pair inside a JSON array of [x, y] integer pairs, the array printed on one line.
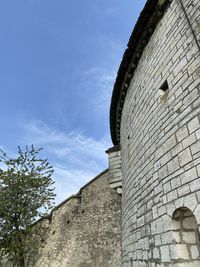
[[84, 231], [160, 143]]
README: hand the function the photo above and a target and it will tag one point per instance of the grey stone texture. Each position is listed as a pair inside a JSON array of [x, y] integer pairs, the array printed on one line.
[[160, 147], [83, 231], [156, 168], [114, 162]]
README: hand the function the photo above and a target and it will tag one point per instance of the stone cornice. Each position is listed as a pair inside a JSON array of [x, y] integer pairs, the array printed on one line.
[[113, 149], [144, 28]]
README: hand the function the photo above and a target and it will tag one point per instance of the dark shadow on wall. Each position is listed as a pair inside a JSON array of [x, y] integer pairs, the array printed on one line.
[[185, 247]]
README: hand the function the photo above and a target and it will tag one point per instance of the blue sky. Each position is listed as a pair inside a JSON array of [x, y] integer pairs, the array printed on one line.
[[58, 63]]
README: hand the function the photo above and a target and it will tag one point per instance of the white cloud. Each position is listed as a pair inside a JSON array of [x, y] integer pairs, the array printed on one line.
[[70, 181], [76, 158], [102, 80], [65, 145], [98, 80]]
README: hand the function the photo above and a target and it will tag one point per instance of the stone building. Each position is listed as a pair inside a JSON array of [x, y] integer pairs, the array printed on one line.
[[155, 118], [84, 230], [155, 161]]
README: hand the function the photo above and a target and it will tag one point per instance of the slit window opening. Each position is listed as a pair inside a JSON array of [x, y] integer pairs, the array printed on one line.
[[164, 88]]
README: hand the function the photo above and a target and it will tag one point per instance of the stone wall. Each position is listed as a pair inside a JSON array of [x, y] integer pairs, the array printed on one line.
[[83, 231], [160, 144], [115, 174]]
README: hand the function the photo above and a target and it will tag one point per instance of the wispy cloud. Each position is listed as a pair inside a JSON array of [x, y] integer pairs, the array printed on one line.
[[69, 181], [103, 80], [98, 79], [76, 158]]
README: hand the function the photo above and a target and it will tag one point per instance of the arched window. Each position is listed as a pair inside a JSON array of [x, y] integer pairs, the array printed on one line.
[[185, 247]]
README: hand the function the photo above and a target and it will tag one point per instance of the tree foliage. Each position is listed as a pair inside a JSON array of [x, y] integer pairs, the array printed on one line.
[[26, 193]]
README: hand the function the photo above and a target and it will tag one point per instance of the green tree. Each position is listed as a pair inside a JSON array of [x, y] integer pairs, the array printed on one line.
[[26, 193]]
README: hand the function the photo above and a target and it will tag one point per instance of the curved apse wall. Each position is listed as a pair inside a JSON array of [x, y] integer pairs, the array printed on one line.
[[160, 139]]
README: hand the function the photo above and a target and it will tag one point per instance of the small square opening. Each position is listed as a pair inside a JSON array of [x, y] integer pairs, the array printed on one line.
[[164, 88]]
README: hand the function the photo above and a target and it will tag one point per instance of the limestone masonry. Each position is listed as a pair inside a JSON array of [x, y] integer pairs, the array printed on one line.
[[83, 231], [155, 162], [155, 117]]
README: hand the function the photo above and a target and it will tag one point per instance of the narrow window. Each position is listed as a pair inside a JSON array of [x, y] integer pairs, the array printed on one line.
[[185, 247], [164, 88]]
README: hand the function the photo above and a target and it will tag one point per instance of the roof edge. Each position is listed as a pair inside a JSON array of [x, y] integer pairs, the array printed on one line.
[[151, 14], [73, 196], [113, 149]]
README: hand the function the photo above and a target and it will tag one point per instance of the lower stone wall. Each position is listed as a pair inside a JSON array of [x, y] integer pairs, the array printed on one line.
[[84, 231], [160, 144], [185, 241]]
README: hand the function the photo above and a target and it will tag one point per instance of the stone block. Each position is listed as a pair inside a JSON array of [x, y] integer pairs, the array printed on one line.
[[188, 141], [182, 133], [194, 252], [165, 254], [195, 148], [156, 253], [169, 144], [189, 237], [163, 172], [175, 183], [195, 185], [183, 190], [190, 201], [172, 195], [179, 251], [185, 157], [193, 125], [176, 237], [188, 176], [173, 165]]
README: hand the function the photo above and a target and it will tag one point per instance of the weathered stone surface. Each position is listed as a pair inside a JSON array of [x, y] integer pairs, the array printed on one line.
[[157, 169], [85, 230], [160, 160], [114, 163]]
